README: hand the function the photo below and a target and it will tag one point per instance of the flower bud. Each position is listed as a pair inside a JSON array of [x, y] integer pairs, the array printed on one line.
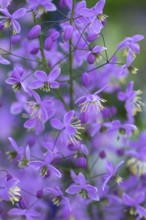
[[15, 39], [86, 79], [68, 32], [90, 58], [54, 35], [65, 3], [39, 194], [34, 50], [120, 152], [48, 43], [1, 26], [34, 32], [22, 203], [82, 162], [102, 154]]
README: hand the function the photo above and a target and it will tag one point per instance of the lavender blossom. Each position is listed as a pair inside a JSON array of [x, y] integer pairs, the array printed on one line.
[[11, 19], [83, 189], [111, 172]]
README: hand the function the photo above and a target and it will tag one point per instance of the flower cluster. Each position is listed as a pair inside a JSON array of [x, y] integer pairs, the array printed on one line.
[[66, 153]]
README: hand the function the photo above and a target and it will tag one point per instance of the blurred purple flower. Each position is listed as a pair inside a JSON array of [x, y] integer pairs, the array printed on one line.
[[111, 172], [45, 81], [45, 166], [41, 6], [8, 19], [85, 190]]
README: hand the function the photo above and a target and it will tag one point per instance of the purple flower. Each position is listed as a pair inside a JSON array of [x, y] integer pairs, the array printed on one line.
[[111, 172], [97, 19], [131, 43], [39, 112], [134, 203], [17, 152], [11, 19], [16, 79], [131, 47], [137, 161], [28, 213], [45, 81], [45, 166], [95, 54], [123, 129], [18, 106], [132, 100], [91, 101], [41, 6], [70, 128], [83, 189], [9, 189], [58, 197]]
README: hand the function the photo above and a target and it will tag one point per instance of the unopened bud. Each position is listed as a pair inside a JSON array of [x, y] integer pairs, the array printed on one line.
[[68, 32], [86, 79], [48, 43], [82, 162], [91, 58], [34, 32]]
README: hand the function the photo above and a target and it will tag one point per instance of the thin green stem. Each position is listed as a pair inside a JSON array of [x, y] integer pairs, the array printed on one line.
[[7, 53], [71, 61], [93, 164], [104, 43]]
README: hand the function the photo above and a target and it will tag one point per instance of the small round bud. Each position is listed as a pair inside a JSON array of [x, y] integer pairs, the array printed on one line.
[[22, 203], [91, 58], [39, 194], [102, 154], [86, 79], [82, 162], [34, 32], [120, 152]]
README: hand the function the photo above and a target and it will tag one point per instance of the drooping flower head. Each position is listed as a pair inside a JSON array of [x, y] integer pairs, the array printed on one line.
[[70, 128], [91, 102]]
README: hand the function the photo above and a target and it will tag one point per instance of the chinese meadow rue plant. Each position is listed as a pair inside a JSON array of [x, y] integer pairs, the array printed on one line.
[[66, 152]]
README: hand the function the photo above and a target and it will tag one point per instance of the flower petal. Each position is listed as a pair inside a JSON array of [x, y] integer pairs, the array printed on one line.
[[81, 179], [54, 74], [92, 192], [41, 75], [57, 124], [54, 171], [19, 13], [68, 117], [36, 84], [73, 189]]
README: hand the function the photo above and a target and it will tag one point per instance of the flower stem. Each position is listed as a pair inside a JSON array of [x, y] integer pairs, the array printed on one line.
[[71, 61], [41, 47]]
